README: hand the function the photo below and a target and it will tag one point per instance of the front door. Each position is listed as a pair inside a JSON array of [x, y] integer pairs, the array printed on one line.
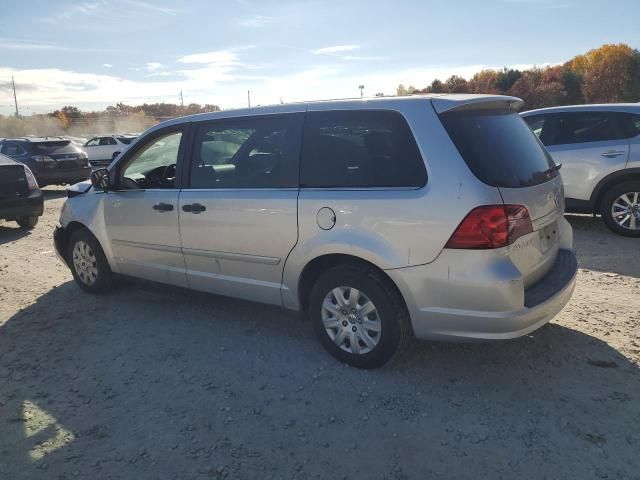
[[238, 216], [141, 214]]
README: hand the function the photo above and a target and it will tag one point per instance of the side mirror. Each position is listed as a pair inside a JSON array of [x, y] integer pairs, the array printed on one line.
[[100, 179]]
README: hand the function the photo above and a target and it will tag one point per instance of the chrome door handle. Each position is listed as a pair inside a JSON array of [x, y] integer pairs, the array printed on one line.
[[613, 153], [163, 207]]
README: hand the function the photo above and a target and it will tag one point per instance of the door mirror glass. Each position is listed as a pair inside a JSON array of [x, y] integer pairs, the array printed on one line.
[[100, 179]]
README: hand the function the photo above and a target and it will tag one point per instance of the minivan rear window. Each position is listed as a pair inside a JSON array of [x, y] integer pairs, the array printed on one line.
[[55, 146], [499, 147]]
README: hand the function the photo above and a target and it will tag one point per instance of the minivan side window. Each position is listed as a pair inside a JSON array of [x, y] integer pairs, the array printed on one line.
[[254, 152], [153, 165], [360, 149], [582, 127]]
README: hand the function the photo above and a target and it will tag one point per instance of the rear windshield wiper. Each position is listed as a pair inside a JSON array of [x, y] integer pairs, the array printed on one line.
[[550, 170]]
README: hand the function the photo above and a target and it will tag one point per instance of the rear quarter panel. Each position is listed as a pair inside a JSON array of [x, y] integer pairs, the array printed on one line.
[[391, 228]]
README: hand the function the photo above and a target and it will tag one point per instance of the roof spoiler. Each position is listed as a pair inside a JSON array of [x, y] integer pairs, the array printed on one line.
[[452, 103]]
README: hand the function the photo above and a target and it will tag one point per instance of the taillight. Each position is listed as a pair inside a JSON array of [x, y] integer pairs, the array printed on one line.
[[32, 183], [491, 226]]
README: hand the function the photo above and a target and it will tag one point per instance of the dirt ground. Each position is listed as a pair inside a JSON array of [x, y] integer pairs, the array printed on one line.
[[148, 382]]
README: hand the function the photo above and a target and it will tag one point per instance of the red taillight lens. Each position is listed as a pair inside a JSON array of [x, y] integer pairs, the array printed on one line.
[[491, 226]]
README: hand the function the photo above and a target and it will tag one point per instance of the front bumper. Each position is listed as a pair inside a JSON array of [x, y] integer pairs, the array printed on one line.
[[60, 243], [436, 319], [23, 206]]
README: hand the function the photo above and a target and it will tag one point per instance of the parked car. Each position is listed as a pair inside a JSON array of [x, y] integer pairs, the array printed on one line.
[[426, 216], [53, 160], [20, 198], [599, 149], [102, 150]]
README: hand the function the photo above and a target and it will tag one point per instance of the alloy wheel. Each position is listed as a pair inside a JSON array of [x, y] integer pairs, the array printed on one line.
[[625, 210], [351, 320], [85, 263]]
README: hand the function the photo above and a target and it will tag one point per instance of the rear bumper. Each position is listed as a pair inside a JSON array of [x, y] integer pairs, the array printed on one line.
[[25, 206], [501, 287], [67, 175]]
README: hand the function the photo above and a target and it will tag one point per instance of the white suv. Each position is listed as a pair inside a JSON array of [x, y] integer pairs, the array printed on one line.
[[426, 216], [599, 149], [103, 150]]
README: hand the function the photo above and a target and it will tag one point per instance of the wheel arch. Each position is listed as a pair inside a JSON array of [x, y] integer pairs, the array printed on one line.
[[69, 230], [318, 265], [615, 178]]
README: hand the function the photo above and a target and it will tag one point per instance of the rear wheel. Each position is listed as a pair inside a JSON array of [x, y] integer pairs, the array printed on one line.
[[88, 263], [621, 209], [27, 222], [358, 316]]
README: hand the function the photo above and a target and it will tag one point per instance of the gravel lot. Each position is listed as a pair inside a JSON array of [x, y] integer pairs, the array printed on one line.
[[149, 382]]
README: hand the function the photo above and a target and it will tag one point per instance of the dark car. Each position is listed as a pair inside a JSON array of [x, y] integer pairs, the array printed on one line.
[[20, 198], [53, 160]]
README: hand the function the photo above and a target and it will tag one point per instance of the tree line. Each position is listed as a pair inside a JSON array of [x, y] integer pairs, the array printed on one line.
[[607, 74], [120, 118]]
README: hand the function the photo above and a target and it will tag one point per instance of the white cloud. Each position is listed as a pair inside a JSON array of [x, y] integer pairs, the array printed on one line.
[[153, 8], [255, 22], [107, 65], [219, 57], [153, 66], [335, 49]]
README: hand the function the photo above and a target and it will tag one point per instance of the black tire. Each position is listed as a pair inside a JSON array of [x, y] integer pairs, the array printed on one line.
[[27, 222], [395, 332], [607, 206], [103, 279]]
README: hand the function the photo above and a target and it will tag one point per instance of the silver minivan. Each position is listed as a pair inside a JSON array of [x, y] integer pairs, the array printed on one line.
[[436, 217]]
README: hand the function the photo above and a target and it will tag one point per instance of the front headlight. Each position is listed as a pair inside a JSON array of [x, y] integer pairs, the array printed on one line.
[[32, 183]]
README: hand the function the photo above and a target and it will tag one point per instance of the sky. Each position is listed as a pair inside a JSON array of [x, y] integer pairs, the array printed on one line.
[[100, 52]]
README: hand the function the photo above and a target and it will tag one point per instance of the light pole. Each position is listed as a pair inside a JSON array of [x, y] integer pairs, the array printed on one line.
[[361, 87]]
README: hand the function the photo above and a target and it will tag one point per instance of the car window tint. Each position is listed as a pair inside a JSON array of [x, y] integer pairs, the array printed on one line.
[[498, 147], [583, 127], [93, 142], [247, 153], [542, 126], [630, 124], [107, 141], [360, 149], [12, 149]]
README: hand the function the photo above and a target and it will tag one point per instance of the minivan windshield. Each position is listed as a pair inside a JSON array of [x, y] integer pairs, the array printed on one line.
[[499, 147]]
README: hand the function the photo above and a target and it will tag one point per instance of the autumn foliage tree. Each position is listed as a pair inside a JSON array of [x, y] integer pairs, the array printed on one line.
[[610, 73]]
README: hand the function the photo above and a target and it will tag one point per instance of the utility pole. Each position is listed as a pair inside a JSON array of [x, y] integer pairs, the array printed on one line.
[[15, 99], [181, 99], [249, 98], [361, 87]]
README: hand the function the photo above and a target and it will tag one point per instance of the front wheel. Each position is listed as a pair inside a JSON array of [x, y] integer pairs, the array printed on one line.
[[621, 209], [27, 222], [359, 316], [88, 263]]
